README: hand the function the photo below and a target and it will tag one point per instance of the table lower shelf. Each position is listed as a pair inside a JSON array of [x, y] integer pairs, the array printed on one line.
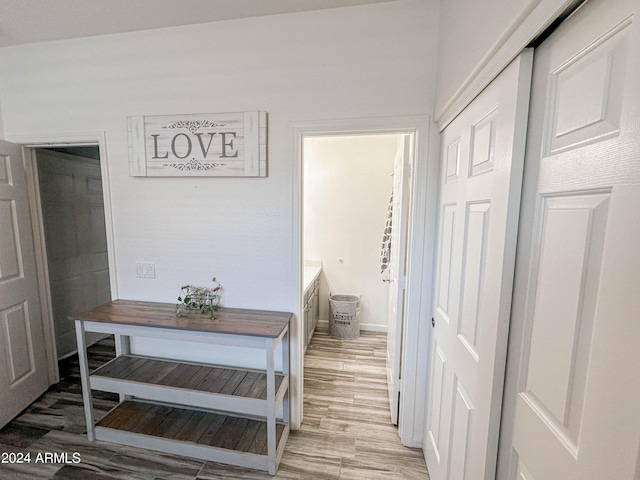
[[189, 384], [204, 435]]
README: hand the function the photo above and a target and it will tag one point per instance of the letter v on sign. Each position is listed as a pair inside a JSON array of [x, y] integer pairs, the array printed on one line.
[[205, 151]]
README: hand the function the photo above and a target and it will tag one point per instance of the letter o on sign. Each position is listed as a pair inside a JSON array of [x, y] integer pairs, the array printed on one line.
[[173, 145]]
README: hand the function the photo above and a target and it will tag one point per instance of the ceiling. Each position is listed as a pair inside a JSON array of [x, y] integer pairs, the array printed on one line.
[[29, 21]]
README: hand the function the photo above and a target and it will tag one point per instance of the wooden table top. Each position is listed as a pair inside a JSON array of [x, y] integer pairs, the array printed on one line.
[[232, 321]]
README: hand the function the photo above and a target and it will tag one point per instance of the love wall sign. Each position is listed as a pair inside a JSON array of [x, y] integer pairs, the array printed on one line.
[[203, 145]]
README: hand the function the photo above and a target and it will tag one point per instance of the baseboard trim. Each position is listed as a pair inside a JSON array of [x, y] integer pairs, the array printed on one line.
[[365, 327]]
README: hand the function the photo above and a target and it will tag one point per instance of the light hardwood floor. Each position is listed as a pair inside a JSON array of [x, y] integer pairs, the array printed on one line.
[[346, 432]]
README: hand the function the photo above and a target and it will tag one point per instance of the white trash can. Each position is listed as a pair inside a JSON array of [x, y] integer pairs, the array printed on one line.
[[344, 321]]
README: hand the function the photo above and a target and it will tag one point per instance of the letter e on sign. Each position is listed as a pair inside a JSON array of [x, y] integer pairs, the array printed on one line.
[[203, 145]]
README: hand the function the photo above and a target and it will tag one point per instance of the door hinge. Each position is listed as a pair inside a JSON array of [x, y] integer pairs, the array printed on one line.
[[433, 322]]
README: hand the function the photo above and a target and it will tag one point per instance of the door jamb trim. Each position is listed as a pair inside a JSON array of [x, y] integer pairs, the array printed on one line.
[[62, 140]]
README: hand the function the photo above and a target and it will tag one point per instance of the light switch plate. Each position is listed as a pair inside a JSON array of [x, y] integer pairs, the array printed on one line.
[[145, 270]]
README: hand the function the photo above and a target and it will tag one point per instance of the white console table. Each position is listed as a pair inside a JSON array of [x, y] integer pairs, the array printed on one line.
[[203, 411]]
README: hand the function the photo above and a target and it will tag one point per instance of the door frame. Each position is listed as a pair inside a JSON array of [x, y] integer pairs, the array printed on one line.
[[29, 144], [420, 254]]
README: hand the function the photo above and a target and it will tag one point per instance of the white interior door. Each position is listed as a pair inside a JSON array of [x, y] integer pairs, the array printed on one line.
[[572, 406], [75, 234], [482, 157], [23, 362], [397, 271]]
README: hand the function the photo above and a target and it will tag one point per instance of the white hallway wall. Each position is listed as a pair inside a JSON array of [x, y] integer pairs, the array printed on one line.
[[369, 61], [347, 184]]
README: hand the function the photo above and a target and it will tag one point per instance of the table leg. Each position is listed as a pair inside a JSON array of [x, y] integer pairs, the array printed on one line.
[[271, 406], [84, 379]]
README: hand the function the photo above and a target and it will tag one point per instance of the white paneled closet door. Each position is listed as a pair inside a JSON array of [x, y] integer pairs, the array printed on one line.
[[23, 361], [482, 159], [572, 406]]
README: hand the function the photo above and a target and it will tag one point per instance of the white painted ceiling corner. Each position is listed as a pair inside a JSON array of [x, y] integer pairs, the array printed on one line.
[[32, 21]]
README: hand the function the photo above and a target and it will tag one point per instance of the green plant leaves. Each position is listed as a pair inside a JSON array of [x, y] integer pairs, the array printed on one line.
[[202, 299]]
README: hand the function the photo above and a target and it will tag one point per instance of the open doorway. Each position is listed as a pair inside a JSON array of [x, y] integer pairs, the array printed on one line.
[[355, 223], [69, 187], [347, 185], [419, 259]]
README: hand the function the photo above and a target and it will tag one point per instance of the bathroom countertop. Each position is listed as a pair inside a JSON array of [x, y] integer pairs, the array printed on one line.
[[310, 273]]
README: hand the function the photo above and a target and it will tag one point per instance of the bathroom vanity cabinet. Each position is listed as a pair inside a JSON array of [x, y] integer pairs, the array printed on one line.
[[311, 301]]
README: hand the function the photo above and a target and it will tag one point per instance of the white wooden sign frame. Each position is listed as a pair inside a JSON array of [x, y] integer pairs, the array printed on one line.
[[202, 145]]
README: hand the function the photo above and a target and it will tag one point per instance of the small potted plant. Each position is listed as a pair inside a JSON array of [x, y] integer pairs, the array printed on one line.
[[202, 299]]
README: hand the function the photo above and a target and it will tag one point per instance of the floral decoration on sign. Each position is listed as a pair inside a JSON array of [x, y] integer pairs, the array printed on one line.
[[194, 125], [193, 164]]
